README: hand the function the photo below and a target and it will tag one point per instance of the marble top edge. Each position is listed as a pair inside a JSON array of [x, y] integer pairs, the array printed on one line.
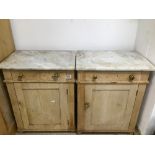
[[111, 70], [39, 69], [47, 50]]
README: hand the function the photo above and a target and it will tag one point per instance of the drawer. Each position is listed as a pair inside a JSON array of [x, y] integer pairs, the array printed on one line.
[[93, 77], [43, 76]]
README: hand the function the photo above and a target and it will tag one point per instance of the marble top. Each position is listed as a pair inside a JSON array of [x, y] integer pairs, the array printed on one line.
[[112, 61], [40, 60], [85, 60]]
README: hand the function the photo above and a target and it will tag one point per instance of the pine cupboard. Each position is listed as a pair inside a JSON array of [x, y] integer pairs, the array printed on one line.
[[42, 100], [41, 105], [110, 106], [111, 86]]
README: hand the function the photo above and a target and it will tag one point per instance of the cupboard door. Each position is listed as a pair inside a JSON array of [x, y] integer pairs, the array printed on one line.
[[108, 107], [43, 106]]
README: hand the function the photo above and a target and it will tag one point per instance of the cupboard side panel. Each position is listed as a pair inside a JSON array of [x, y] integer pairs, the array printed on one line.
[[13, 99], [137, 105], [81, 116], [71, 106], [6, 109]]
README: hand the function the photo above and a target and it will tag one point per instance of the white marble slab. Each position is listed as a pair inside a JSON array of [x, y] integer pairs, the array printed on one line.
[[40, 60], [112, 61]]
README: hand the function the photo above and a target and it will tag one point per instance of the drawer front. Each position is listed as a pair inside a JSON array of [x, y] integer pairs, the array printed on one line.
[[94, 77], [43, 76]]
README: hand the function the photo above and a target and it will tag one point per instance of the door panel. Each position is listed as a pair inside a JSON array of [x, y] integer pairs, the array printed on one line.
[[43, 106], [109, 106]]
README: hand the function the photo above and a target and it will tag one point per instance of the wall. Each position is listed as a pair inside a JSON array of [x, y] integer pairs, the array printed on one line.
[[145, 43], [74, 34]]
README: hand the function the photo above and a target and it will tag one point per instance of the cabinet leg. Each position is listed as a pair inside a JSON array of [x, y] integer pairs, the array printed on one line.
[[20, 132], [79, 132]]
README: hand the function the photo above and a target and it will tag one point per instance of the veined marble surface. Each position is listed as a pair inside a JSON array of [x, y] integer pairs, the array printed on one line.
[[85, 60], [112, 61], [40, 60]]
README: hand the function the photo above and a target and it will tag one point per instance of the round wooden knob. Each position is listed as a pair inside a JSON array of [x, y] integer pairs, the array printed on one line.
[[86, 105], [131, 77], [94, 77], [20, 76]]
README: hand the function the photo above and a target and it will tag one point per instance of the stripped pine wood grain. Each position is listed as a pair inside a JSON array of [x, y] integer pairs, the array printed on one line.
[[7, 122], [109, 107], [41, 106]]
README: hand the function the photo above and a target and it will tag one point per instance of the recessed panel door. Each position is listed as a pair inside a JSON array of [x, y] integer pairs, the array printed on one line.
[[108, 107], [43, 106]]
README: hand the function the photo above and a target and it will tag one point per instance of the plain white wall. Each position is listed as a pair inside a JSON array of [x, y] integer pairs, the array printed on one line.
[[145, 44], [74, 34]]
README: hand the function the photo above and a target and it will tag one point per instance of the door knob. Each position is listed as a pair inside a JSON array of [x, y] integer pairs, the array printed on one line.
[[86, 105]]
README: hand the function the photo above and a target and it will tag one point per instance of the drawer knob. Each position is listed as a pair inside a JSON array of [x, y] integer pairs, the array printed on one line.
[[55, 76], [131, 77], [94, 77], [20, 76]]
